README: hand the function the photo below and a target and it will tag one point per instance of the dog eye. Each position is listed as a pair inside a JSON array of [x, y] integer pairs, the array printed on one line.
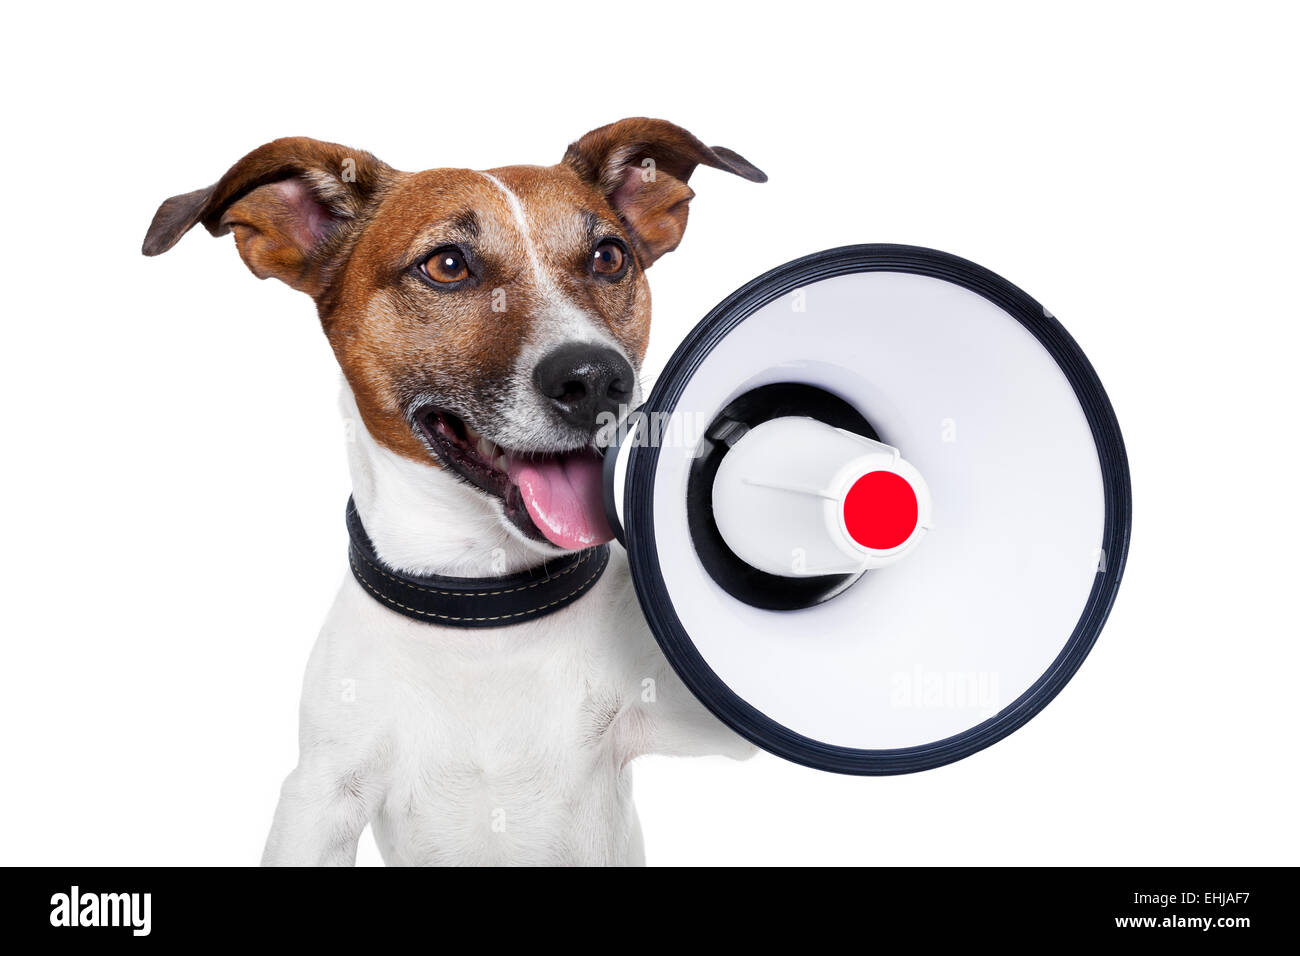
[[609, 260], [446, 266]]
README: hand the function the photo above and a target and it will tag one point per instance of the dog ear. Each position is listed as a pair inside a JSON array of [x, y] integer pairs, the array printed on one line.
[[642, 167], [289, 204]]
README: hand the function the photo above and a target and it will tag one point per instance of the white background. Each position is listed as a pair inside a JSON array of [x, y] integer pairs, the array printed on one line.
[[171, 430]]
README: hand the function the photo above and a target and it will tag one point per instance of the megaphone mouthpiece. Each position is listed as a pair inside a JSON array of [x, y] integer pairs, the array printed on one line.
[[800, 498]]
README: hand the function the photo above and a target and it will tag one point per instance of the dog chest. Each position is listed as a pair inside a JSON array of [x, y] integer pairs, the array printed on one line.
[[496, 744]]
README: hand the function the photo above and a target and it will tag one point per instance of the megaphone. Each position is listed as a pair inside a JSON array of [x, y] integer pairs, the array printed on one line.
[[876, 509]]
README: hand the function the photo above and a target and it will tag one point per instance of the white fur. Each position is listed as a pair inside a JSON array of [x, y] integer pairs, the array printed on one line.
[[501, 746], [540, 275]]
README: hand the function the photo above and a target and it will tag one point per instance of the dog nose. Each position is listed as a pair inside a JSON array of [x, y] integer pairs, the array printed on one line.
[[580, 381]]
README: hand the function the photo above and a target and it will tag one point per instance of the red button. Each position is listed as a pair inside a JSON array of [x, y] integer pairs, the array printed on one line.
[[880, 510]]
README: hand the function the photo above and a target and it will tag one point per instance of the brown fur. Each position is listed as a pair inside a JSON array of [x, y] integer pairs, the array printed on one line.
[[350, 231]]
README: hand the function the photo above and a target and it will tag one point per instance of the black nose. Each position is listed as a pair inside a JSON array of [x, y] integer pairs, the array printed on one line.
[[580, 381]]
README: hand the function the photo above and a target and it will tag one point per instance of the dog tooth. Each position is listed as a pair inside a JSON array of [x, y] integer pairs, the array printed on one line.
[[486, 448], [500, 463]]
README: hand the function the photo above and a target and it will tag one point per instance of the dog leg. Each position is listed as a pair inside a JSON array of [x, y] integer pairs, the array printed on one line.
[[672, 721], [664, 717], [321, 815]]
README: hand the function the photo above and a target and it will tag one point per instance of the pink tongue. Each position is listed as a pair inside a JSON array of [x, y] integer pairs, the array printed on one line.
[[564, 497]]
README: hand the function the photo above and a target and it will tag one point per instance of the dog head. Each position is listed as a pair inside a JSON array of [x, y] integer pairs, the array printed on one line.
[[487, 322]]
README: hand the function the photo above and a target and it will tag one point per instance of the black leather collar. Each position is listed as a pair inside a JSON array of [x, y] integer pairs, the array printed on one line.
[[473, 602]]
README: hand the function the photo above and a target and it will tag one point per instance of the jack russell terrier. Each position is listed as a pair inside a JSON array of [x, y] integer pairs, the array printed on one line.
[[480, 687]]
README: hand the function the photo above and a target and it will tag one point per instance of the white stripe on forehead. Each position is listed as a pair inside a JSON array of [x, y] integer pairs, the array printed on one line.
[[559, 321], [517, 208]]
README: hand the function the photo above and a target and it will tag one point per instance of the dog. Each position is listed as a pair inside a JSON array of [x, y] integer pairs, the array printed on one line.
[[485, 324]]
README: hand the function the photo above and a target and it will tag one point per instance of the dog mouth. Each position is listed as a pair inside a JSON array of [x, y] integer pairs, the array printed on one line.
[[549, 496]]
